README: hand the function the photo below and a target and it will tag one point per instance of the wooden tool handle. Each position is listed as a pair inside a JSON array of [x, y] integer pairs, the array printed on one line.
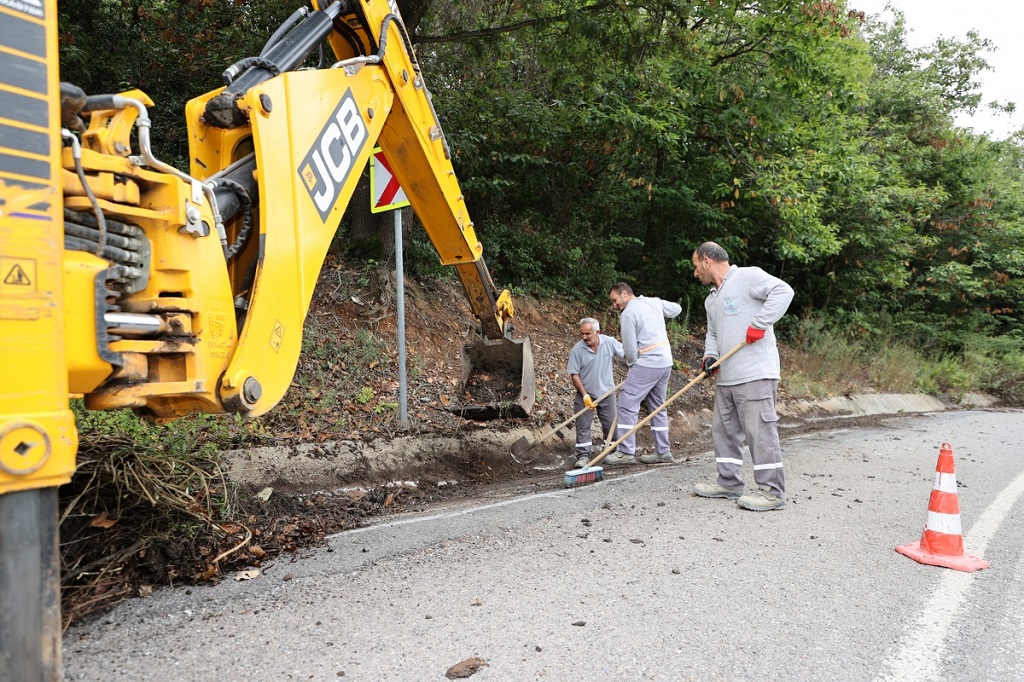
[[684, 389], [573, 418]]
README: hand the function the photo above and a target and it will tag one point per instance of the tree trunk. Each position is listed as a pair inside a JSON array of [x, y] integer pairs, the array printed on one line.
[[371, 236]]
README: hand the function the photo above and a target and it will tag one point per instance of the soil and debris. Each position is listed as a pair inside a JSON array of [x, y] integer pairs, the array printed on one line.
[[131, 522], [491, 387]]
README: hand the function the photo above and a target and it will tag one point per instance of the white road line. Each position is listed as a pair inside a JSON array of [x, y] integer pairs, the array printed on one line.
[[921, 648], [492, 505]]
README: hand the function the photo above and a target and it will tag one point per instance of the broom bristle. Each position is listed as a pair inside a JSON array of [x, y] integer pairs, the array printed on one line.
[[583, 476]]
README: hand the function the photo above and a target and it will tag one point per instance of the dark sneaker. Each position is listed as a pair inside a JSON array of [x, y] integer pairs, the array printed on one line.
[[664, 458], [582, 462], [715, 490], [616, 458], [761, 500]]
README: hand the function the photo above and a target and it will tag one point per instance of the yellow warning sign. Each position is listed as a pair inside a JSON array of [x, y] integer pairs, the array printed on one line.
[[17, 275]]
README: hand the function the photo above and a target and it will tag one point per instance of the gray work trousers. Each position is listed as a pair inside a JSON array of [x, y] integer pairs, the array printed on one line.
[[584, 422], [643, 383], [748, 410]]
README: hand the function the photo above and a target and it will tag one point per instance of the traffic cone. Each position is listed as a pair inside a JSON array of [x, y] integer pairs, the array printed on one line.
[[942, 542]]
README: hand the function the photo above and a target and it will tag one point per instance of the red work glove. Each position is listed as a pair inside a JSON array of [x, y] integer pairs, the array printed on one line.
[[754, 334]]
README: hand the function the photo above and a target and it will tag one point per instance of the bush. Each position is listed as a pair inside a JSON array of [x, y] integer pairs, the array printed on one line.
[[851, 358], [997, 363]]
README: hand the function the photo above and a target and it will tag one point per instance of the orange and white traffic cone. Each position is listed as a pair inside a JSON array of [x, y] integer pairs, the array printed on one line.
[[942, 542]]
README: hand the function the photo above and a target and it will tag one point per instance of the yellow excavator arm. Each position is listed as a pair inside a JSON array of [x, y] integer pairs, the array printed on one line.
[[186, 291], [136, 284]]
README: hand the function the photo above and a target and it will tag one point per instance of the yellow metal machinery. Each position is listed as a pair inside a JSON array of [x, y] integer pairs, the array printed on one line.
[[135, 284]]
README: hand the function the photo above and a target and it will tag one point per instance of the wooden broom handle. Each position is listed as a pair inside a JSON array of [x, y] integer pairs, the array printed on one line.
[[684, 389], [572, 418]]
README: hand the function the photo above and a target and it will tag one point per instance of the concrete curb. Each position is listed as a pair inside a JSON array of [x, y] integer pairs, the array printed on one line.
[[877, 404], [328, 466]]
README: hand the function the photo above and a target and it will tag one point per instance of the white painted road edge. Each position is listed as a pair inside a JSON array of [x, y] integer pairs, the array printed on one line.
[[922, 646], [483, 507]]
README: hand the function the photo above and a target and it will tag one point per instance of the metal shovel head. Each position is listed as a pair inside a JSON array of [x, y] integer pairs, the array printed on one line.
[[522, 445], [498, 376]]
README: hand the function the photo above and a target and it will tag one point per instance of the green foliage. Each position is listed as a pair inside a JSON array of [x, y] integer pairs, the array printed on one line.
[[846, 359], [806, 143], [998, 365], [364, 395], [205, 433], [173, 50], [421, 259], [678, 329], [606, 142]]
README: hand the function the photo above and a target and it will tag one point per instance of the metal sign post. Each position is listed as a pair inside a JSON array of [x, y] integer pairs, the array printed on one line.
[[387, 195]]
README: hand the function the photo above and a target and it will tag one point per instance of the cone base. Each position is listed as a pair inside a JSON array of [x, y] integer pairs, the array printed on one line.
[[965, 562]]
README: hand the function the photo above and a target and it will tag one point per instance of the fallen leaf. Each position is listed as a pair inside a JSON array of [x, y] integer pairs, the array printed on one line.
[[230, 527], [257, 551], [444, 400], [247, 575], [265, 494], [210, 571], [101, 520], [465, 668]]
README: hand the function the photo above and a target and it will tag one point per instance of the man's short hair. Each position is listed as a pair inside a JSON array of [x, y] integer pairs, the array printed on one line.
[[622, 288], [713, 251], [592, 322]]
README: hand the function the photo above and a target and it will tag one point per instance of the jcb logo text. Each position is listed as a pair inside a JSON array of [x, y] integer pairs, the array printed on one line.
[[331, 159]]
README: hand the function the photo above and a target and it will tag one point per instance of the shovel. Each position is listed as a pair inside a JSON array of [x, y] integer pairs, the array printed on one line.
[[523, 444]]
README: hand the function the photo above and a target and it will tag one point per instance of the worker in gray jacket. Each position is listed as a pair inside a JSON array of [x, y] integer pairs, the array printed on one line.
[[743, 305], [590, 368], [645, 343]]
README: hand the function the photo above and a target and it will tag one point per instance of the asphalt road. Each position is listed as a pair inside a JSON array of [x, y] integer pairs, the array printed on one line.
[[631, 579]]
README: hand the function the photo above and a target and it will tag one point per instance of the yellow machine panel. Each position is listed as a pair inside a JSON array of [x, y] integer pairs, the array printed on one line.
[[37, 432]]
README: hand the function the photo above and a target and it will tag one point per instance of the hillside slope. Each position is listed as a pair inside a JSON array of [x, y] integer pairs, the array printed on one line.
[[346, 385]]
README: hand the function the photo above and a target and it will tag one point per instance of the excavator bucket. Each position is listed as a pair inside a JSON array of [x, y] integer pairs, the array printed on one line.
[[497, 380]]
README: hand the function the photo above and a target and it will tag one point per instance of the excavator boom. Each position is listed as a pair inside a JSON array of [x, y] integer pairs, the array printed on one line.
[[187, 292], [135, 284]]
